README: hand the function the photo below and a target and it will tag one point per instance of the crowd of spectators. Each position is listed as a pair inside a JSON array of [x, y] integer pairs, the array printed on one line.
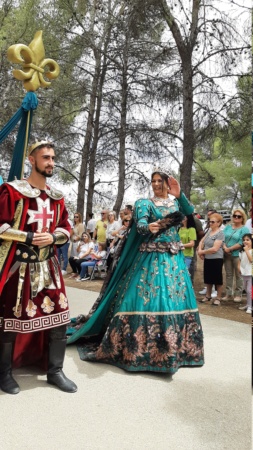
[[218, 244], [90, 245]]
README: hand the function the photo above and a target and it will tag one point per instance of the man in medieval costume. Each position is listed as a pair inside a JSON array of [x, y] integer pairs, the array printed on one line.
[[33, 304]]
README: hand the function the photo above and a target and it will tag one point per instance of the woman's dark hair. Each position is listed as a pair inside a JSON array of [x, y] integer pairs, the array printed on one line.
[[190, 221]]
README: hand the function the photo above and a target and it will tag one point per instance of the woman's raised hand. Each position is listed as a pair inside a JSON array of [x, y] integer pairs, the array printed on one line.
[[173, 187]]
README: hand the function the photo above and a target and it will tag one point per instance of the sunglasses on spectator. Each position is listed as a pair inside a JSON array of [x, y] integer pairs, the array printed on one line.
[[212, 221], [236, 216], [126, 220], [76, 217]]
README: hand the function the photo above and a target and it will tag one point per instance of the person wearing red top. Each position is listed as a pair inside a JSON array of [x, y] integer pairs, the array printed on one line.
[[34, 308]]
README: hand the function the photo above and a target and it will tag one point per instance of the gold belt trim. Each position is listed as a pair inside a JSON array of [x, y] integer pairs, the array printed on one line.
[[161, 247], [155, 313]]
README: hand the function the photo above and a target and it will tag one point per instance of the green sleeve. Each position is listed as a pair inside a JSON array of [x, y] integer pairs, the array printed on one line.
[[141, 216], [184, 205]]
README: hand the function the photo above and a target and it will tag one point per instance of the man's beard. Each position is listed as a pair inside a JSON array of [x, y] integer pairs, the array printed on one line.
[[43, 172]]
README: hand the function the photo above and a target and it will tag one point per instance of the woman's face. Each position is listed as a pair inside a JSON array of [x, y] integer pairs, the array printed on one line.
[[111, 217], [76, 218], [159, 186], [85, 237], [237, 217], [184, 221], [214, 223]]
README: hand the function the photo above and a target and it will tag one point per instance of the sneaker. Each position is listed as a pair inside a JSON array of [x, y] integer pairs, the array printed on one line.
[[248, 311], [85, 279], [226, 298], [237, 299], [243, 308], [203, 292], [79, 279], [64, 272], [214, 294]]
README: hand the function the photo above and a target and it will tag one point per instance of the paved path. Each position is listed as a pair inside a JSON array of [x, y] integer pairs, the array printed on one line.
[[197, 408]]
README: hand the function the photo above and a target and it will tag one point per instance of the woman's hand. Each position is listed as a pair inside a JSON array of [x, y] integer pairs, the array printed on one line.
[[154, 227], [226, 249], [174, 187]]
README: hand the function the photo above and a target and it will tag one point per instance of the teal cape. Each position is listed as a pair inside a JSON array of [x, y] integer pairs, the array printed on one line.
[[146, 319]]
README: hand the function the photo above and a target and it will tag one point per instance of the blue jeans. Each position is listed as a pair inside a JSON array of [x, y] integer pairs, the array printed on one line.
[[62, 252], [188, 261], [84, 268]]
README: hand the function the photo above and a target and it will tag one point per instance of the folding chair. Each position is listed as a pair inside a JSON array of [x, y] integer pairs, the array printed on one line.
[[100, 266]]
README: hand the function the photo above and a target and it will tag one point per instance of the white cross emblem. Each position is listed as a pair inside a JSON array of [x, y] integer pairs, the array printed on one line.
[[43, 215]]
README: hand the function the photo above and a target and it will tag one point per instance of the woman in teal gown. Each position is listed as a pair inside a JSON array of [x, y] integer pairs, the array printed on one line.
[[146, 318]]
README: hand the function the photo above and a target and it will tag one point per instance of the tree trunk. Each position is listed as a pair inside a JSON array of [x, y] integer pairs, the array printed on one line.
[[188, 139], [122, 132], [185, 47], [88, 137], [92, 164]]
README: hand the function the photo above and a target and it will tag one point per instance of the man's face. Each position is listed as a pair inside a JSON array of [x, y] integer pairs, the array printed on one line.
[[43, 161]]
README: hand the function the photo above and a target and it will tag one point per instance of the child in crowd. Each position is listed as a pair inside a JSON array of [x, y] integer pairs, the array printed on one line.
[[245, 267], [188, 237], [95, 258]]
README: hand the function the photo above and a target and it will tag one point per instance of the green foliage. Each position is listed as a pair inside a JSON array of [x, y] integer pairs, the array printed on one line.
[[223, 181]]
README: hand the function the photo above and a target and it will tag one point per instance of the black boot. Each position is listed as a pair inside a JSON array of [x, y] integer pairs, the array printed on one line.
[[7, 382], [55, 374]]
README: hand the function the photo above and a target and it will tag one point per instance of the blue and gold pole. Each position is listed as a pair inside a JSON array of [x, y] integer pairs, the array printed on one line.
[[33, 74]]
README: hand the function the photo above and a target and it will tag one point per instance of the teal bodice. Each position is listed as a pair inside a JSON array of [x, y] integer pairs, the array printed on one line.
[[146, 212]]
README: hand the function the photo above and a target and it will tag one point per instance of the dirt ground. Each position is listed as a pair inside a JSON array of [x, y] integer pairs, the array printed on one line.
[[228, 310]]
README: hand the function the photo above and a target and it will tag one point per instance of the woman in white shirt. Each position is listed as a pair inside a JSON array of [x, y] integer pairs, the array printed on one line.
[[95, 258], [111, 226], [84, 249]]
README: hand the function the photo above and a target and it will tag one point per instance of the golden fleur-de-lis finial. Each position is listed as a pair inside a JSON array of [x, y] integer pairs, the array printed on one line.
[[35, 66]]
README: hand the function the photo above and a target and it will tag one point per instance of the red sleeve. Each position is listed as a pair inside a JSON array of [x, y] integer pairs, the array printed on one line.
[[7, 206], [63, 222]]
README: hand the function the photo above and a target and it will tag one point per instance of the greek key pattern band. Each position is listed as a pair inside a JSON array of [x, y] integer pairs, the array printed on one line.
[[37, 324]]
